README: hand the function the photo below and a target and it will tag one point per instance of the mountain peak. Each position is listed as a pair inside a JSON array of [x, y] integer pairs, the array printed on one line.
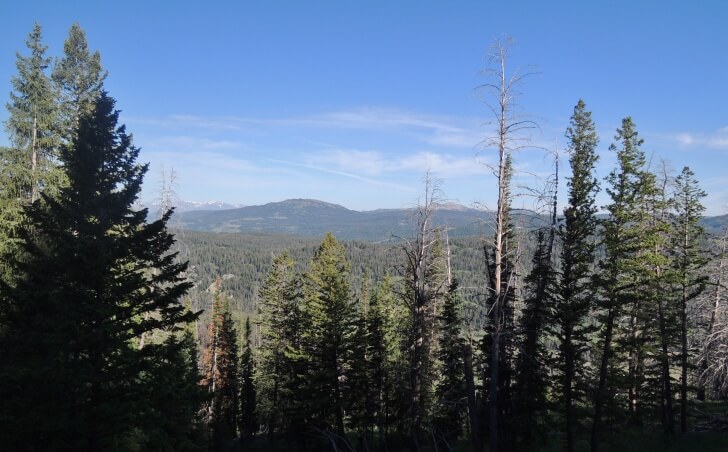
[[307, 203]]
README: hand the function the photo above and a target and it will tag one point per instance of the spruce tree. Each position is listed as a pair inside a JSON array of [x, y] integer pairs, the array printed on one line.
[[175, 397], [396, 328], [28, 166], [73, 375], [78, 77], [248, 396], [689, 261], [450, 389], [375, 354], [359, 402], [577, 235], [281, 375], [328, 336], [529, 398], [622, 269], [32, 124]]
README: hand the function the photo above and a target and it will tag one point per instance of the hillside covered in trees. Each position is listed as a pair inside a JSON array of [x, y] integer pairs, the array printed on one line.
[[575, 331]]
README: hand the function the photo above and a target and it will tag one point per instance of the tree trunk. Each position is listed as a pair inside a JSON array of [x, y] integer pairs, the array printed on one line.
[[684, 362], [601, 389], [34, 195], [668, 418], [568, 386]]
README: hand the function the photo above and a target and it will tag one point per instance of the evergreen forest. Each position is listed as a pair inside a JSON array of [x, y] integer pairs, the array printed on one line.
[[592, 327]]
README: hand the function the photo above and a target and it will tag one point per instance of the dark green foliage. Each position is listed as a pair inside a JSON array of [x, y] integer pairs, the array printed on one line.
[[280, 376], [248, 396], [690, 258], [78, 77], [220, 365], [328, 338], [577, 235], [532, 366], [175, 397], [73, 374], [450, 392], [622, 270], [32, 124], [498, 344], [359, 402], [28, 166]]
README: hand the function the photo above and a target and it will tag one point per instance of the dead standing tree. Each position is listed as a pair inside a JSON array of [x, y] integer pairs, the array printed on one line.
[[500, 94], [420, 292]]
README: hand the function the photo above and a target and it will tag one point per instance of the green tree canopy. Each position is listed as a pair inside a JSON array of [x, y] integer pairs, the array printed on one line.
[[73, 372]]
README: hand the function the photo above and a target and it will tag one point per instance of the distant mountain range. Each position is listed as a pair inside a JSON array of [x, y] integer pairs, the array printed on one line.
[[313, 218], [191, 206]]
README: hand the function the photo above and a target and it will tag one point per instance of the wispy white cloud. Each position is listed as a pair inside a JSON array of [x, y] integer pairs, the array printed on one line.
[[374, 163], [717, 139], [436, 130], [189, 143], [444, 165], [358, 177]]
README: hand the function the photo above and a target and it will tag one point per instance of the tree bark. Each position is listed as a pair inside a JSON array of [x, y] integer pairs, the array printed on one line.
[[603, 368]]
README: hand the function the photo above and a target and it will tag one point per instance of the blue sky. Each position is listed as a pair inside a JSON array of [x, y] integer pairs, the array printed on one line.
[[352, 102]]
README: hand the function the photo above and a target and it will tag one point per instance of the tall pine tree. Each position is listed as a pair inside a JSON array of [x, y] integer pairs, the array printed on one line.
[[689, 261], [29, 165], [622, 268], [328, 338], [248, 395], [72, 373], [578, 238], [78, 77]]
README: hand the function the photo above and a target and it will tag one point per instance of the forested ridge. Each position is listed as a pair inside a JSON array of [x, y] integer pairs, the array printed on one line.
[[576, 331]]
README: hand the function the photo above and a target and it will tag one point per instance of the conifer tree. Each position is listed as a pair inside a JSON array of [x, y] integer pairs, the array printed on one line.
[[498, 344], [578, 242], [78, 77], [32, 124], [689, 261], [657, 325], [450, 392], [29, 165], [531, 364], [396, 328], [280, 376], [248, 396], [622, 269], [359, 403], [375, 355], [328, 337], [72, 373], [220, 364], [175, 397]]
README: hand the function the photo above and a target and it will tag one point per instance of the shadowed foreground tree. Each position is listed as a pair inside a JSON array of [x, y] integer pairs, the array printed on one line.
[[73, 377], [248, 424]]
